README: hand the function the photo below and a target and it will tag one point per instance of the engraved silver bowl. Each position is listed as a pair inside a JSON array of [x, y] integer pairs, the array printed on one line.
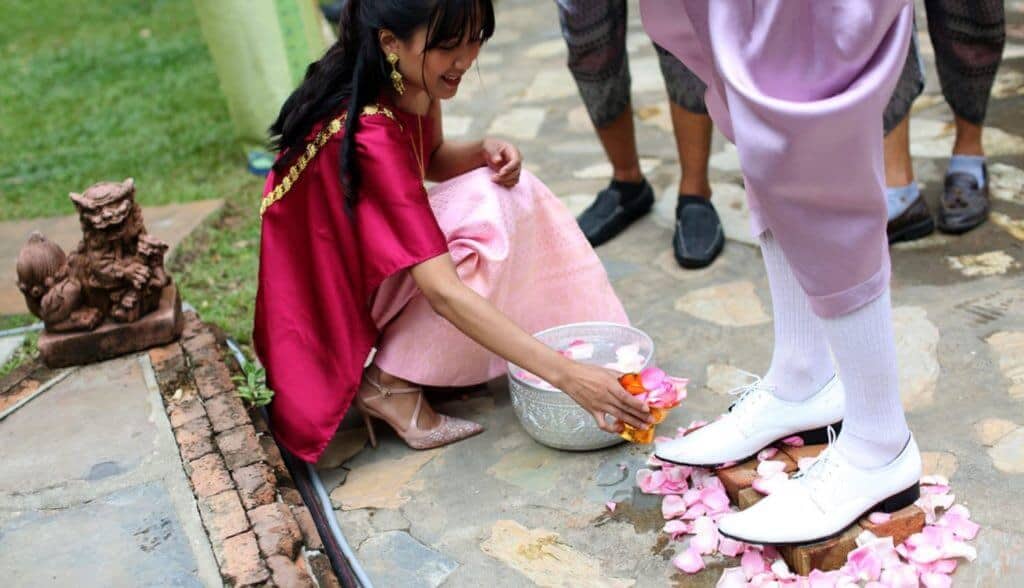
[[549, 415]]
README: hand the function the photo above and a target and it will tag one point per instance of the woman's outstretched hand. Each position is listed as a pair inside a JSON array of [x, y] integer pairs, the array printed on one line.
[[598, 391], [505, 160]]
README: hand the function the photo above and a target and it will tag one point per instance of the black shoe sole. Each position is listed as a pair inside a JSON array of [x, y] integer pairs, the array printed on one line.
[[619, 223], [961, 228], [896, 502], [692, 263], [921, 228], [812, 437]]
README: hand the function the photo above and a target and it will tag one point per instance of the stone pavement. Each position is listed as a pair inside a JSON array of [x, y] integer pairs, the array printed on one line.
[[171, 223], [92, 491], [499, 509]]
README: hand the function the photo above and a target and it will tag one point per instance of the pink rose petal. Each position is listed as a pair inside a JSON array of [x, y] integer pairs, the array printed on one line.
[[934, 580], [781, 570], [732, 578], [794, 441], [901, 576], [730, 547], [820, 579], [769, 468], [705, 539], [934, 480], [695, 512], [864, 563], [689, 561], [652, 378], [672, 506], [767, 453], [715, 499], [752, 563], [611, 506], [958, 520], [945, 566], [692, 496], [879, 518], [677, 528]]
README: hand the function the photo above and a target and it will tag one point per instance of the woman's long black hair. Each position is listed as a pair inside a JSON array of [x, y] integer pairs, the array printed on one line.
[[355, 70]]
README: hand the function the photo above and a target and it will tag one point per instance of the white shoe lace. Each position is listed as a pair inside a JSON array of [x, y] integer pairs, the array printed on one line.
[[749, 397], [818, 477]]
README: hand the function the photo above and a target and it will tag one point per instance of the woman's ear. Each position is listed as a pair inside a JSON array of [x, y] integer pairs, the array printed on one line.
[[388, 41]]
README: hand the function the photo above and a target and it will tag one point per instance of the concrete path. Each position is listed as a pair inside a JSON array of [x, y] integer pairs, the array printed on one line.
[[92, 491]]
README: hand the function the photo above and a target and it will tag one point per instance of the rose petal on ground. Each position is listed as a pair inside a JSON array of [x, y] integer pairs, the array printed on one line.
[[695, 512], [864, 563], [945, 566], [672, 506], [820, 579], [794, 441], [935, 489], [611, 506], [770, 468], [732, 578], [781, 570], [958, 520], [676, 528], [730, 547], [715, 499], [705, 539], [878, 518], [689, 561], [767, 453], [752, 563], [934, 580]]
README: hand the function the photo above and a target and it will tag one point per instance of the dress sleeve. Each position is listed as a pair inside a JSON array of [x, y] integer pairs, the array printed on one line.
[[396, 228]]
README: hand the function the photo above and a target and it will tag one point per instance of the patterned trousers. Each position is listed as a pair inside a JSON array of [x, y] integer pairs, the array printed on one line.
[[968, 36]]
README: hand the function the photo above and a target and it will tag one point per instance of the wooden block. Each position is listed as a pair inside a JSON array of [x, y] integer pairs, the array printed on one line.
[[903, 524], [742, 475], [796, 453], [825, 555], [748, 497]]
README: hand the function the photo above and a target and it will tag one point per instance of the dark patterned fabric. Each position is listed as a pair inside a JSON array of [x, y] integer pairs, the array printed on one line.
[[968, 36]]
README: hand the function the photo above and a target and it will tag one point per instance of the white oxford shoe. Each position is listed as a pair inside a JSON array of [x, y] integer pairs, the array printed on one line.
[[828, 497], [756, 420]]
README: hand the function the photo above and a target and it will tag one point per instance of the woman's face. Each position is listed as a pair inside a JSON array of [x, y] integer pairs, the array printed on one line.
[[438, 71]]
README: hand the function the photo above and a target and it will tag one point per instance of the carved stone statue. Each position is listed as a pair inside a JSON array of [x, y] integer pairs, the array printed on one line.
[[107, 287]]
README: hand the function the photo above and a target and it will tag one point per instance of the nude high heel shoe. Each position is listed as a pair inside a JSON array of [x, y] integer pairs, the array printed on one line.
[[448, 430]]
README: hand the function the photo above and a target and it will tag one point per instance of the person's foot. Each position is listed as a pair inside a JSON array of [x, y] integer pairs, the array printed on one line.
[[827, 498], [615, 208], [965, 201], [913, 223], [698, 238], [755, 421]]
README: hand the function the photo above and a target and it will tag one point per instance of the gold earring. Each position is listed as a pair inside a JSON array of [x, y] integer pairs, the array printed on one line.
[[396, 77]]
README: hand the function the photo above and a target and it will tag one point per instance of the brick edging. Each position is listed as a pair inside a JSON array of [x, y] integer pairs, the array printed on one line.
[[261, 531]]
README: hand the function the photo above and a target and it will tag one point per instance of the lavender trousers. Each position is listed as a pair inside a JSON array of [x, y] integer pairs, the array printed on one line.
[[800, 87]]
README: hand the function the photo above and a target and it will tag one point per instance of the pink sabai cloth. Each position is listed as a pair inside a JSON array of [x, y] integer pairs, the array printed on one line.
[[520, 249], [800, 86]]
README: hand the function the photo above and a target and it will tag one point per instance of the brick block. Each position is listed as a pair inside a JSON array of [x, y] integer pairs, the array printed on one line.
[[903, 524], [310, 536], [240, 447], [168, 364], [276, 530], [213, 378], [288, 573], [209, 475], [195, 439], [320, 565], [185, 410], [825, 555], [256, 485], [274, 458], [202, 348], [742, 475], [748, 497], [796, 453], [226, 412], [223, 515], [193, 326], [240, 562]]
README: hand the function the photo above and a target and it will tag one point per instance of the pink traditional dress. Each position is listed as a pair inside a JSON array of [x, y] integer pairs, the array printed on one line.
[[333, 284], [799, 86]]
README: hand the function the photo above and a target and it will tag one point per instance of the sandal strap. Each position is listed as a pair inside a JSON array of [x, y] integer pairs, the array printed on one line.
[[386, 391]]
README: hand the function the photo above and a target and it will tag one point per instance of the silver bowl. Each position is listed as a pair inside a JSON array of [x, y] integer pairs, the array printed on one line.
[[549, 415]]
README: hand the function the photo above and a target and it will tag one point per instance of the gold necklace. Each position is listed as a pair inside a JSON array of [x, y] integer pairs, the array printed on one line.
[[417, 147]]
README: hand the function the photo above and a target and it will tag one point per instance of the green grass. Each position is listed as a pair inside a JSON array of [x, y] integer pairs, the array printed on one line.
[[107, 89]]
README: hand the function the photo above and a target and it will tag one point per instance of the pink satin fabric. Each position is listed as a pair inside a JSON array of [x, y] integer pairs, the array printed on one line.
[[799, 86], [521, 249]]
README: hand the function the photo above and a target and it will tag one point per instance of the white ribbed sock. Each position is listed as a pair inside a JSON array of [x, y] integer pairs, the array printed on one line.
[[864, 344], [801, 363]]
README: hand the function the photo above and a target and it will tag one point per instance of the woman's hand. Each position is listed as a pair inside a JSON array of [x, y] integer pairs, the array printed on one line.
[[598, 391], [504, 159]]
